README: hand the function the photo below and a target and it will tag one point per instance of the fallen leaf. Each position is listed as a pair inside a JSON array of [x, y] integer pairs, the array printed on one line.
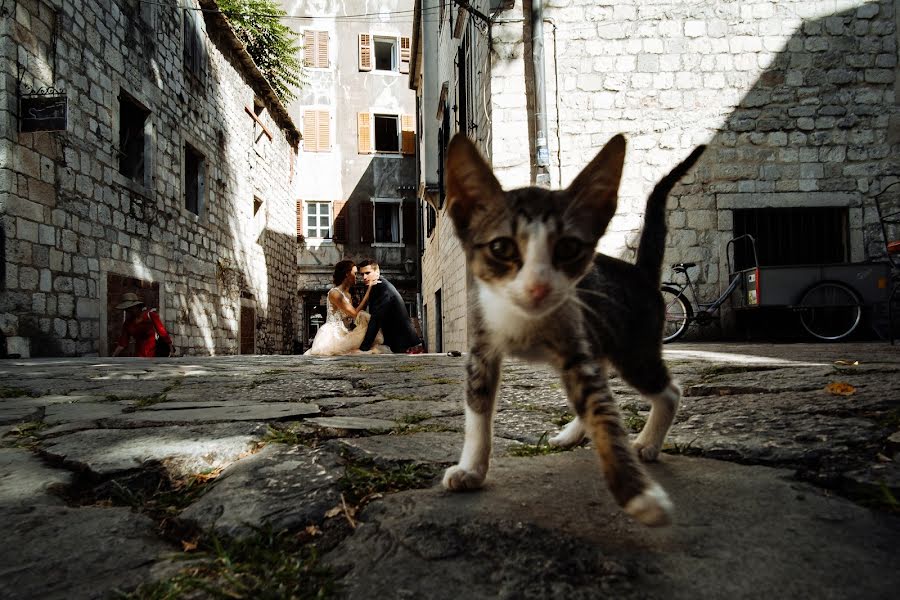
[[188, 545], [313, 530], [333, 512], [839, 388], [847, 363]]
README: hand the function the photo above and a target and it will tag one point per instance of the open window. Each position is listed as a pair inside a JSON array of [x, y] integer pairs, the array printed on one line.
[[385, 53], [194, 178], [387, 133], [132, 125]]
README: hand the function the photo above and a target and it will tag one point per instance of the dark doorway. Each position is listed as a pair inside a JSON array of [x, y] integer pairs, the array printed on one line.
[[248, 330], [438, 323]]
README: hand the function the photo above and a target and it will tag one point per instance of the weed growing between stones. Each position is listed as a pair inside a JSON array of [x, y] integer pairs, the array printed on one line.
[[413, 418], [541, 448], [633, 421], [562, 419], [424, 428], [401, 397], [25, 435], [276, 434], [13, 392], [682, 449], [267, 565], [363, 479], [443, 380]]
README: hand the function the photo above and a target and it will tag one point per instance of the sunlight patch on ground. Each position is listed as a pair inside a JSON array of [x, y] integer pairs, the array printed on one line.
[[734, 358]]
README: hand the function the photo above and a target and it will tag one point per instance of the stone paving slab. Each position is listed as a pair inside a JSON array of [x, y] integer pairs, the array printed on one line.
[[183, 450], [353, 424], [26, 481], [546, 527], [222, 413], [441, 447]]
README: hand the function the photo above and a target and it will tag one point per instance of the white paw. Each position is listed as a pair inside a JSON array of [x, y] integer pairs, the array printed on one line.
[[646, 452], [570, 436], [457, 479], [652, 507]]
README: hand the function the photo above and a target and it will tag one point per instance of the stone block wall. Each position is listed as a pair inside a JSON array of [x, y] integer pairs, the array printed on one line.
[[796, 99], [71, 219]]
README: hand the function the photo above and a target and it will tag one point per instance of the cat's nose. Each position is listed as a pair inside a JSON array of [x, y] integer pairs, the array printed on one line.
[[537, 291]]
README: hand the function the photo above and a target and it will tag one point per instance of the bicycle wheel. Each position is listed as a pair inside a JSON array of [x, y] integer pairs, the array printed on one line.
[[678, 314], [830, 310]]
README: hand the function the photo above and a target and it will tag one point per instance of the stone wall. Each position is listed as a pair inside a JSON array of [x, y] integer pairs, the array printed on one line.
[[796, 99], [72, 219]]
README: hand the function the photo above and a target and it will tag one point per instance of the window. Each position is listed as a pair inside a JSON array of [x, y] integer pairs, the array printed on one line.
[[387, 221], [430, 219], [792, 236], [316, 131], [194, 169], [385, 54], [387, 133], [194, 53], [315, 49], [132, 122], [318, 220]]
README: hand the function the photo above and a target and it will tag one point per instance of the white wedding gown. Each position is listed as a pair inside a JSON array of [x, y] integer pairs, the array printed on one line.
[[333, 337]]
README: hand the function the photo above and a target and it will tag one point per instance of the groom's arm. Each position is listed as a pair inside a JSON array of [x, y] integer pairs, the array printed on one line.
[[371, 331]]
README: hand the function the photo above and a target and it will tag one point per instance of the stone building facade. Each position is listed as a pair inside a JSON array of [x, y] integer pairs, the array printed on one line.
[[358, 120], [796, 99], [172, 178]]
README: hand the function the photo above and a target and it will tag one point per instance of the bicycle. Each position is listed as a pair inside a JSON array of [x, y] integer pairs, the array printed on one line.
[[829, 310]]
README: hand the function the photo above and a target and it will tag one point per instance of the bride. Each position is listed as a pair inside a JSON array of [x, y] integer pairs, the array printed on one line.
[[333, 336]]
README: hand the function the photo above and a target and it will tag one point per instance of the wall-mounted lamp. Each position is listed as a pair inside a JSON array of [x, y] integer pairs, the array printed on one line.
[[410, 266]]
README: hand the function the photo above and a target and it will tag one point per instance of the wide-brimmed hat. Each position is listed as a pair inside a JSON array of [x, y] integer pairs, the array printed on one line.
[[128, 300]]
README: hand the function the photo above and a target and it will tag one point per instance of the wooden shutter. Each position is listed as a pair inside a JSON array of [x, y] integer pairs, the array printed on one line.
[[364, 132], [323, 129], [366, 222], [309, 48], [404, 54], [365, 52], [299, 219], [322, 50], [408, 134], [310, 131], [339, 229], [409, 221]]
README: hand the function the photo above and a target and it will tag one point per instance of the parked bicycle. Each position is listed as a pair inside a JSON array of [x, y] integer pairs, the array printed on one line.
[[830, 308]]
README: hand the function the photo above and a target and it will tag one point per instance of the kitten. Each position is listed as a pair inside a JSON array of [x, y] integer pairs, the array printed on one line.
[[541, 293]]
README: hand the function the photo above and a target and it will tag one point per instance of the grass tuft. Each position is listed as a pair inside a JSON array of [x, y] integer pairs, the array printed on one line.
[[542, 448], [362, 479]]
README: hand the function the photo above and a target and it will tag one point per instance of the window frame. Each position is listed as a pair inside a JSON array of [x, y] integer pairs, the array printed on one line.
[[316, 36], [395, 53], [320, 113], [194, 55], [399, 215], [190, 148], [398, 120], [143, 178], [318, 228]]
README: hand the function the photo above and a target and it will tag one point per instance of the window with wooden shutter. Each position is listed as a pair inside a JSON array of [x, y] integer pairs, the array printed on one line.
[[366, 222], [316, 131], [408, 134], [364, 132], [409, 222], [365, 52], [315, 49], [340, 222], [404, 54]]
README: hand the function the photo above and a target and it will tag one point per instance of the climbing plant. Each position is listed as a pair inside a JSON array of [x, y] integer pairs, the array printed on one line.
[[272, 44]]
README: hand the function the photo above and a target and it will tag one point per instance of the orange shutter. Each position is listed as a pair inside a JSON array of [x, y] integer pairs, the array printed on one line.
[[364, 132], [310, 131], [299, 219], [322, 50], [365, 52], [309, 43], [366, 221], [324, 131], [408, 134], [404, 55], [339, 231]]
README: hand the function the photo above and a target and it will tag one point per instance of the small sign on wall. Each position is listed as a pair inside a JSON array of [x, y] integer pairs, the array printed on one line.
[[46, 110]]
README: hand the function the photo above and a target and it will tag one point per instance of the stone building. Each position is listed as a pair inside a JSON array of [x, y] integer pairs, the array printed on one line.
[[797, 100], [161, 163], [358, 149]]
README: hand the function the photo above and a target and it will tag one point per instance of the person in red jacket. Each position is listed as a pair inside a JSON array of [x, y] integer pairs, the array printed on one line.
[[143, 324]]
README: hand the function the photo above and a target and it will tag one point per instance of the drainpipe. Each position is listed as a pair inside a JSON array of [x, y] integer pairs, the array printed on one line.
[[541, 145]]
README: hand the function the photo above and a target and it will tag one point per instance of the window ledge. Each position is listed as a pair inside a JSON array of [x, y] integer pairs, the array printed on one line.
[[380, 72], [387, 154], [388, 244], [319, 242], [131, 184]]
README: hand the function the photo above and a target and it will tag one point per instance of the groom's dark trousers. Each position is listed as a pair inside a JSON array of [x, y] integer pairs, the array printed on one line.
[[390, 316]]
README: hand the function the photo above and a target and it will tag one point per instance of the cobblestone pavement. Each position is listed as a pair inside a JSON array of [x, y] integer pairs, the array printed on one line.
[[267, 476]]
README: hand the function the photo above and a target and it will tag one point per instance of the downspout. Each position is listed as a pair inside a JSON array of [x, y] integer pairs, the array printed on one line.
[[541, 145]]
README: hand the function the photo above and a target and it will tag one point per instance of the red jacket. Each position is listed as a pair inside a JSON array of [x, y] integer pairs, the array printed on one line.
[[141, 329]]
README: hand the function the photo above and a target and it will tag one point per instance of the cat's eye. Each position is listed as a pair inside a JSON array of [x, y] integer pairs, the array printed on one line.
[[568, 249], [504, 248]]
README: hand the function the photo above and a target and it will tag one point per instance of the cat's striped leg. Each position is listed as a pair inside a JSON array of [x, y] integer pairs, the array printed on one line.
[[586, 384], [662, 412], [483, 370]]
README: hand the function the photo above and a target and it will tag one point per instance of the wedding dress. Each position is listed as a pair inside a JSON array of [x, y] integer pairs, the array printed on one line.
[[335, 338]]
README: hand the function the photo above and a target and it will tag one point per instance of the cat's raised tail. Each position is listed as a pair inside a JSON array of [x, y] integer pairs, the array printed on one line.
[[653, 237]]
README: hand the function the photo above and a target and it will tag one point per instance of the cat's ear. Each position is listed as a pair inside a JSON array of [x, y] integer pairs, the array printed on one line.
[[471, 184], [597, 186]]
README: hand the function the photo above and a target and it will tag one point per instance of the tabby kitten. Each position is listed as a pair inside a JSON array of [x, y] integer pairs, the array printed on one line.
[[541, 293]]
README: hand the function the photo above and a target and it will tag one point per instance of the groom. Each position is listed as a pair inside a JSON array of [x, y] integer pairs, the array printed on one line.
[[388, 313]]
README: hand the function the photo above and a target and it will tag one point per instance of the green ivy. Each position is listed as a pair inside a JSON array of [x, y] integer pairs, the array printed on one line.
[[272, 44]]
